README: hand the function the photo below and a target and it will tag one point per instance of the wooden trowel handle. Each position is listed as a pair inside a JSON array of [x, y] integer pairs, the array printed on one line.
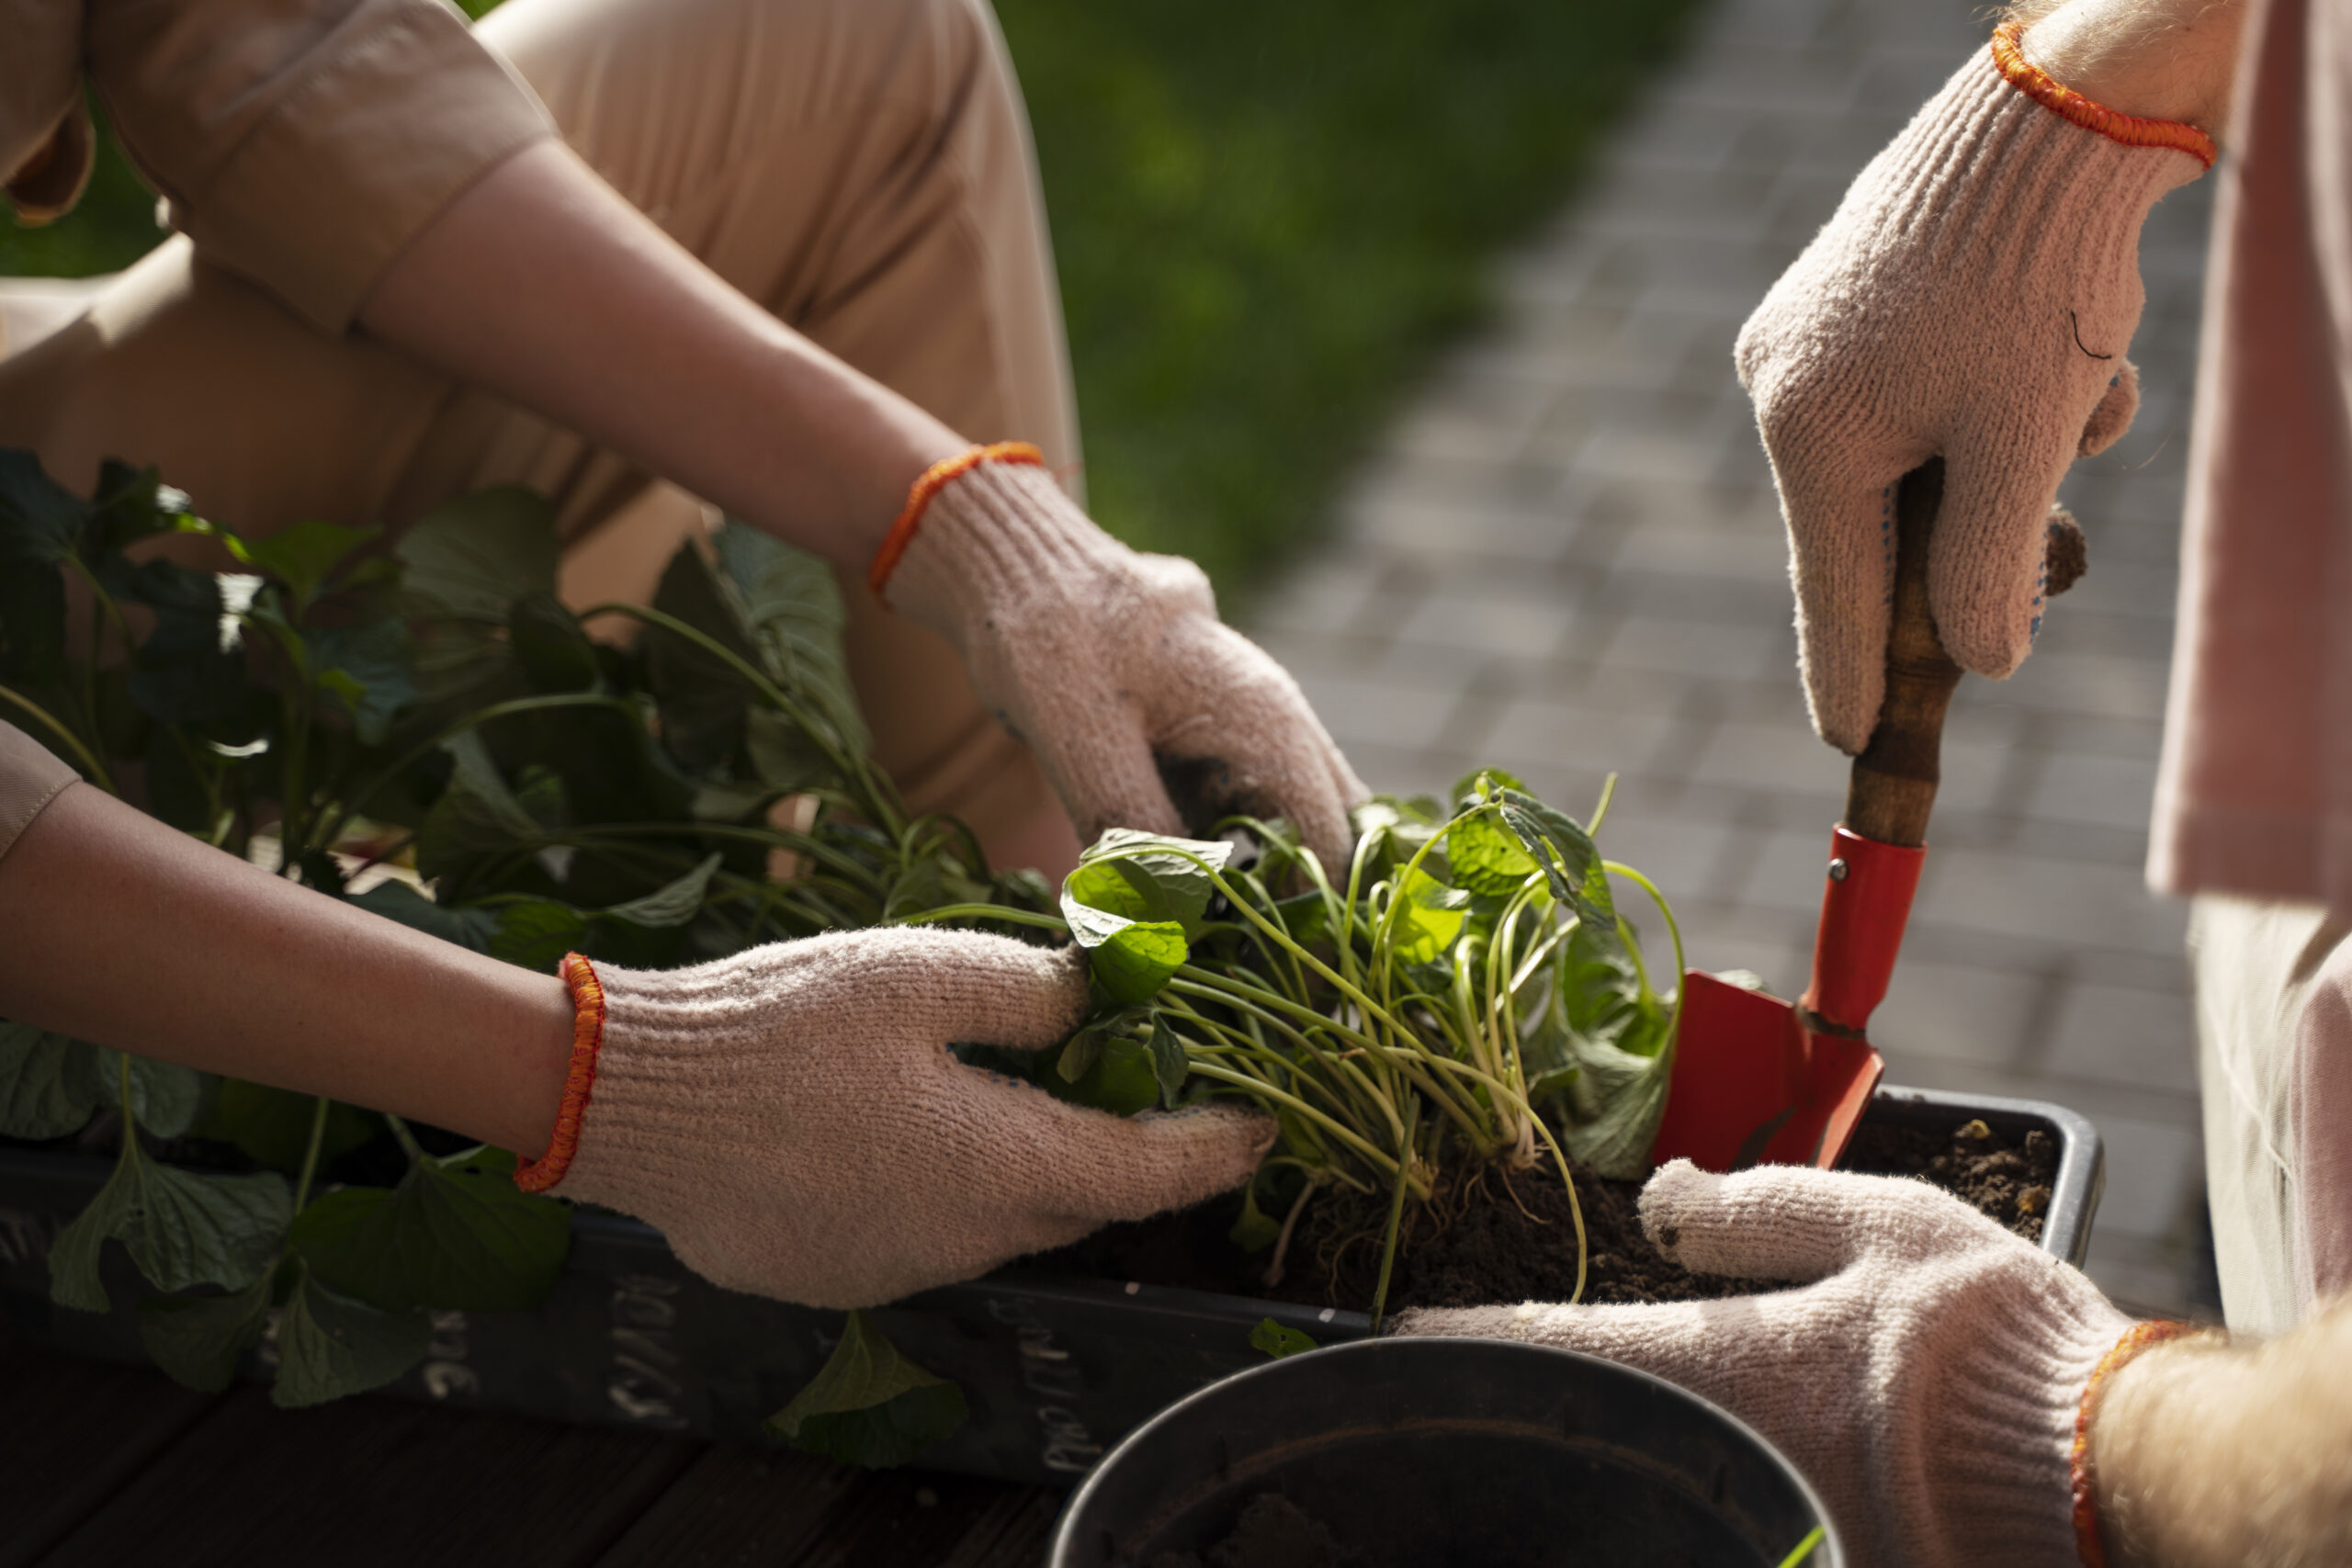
[[1893, 788]]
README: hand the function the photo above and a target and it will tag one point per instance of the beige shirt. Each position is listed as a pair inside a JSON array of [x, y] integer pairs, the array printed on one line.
[[31, 777], [301, 143]]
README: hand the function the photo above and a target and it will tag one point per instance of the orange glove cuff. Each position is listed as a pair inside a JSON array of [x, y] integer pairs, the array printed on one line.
[[587, 1039], [2008, 54], [2088, 1544], [936, 479]]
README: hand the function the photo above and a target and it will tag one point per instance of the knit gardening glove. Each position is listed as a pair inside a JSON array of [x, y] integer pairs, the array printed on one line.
[[791, 1118], [1973, 297], [1925, 1378], [1143, 709]]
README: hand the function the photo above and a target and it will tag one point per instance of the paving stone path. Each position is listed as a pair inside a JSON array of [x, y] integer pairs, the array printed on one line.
[[1566, 560]]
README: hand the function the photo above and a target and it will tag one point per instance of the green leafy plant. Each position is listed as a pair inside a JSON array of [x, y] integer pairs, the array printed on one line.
[[1465, 991], [343, 713], [371, 721]]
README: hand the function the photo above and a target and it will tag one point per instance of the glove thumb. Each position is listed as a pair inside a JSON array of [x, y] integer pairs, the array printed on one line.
[[1793, 1223]]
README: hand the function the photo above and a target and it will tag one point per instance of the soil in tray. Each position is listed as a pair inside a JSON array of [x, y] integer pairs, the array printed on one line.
[[1493, 1239]]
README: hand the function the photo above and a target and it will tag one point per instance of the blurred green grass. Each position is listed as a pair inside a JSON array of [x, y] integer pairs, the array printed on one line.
[[1266, 217]]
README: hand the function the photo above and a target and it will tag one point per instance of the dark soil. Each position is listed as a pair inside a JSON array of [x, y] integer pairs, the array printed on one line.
[[1498, 1238], [2010, 1183], [1273, 1532]]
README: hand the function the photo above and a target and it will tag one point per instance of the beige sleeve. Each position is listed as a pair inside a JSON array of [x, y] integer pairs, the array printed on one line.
[[305, 142], [31, 777]]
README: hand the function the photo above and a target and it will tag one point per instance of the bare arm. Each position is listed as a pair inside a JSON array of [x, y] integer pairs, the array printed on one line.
[[2208, 1453], [125, 933], [2154, 59], [543, 284]]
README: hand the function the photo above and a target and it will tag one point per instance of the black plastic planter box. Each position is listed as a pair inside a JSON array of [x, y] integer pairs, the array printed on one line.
[[1055, 1368]]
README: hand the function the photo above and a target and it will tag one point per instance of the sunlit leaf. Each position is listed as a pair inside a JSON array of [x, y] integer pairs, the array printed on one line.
[[1277, 1342]]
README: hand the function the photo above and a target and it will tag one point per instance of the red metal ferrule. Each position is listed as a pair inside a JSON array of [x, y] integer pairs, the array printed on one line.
[[1865, 902]]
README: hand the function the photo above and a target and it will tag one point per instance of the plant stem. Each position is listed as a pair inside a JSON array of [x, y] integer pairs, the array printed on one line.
[[984, 912], [407, 1139], [361, 797], [49, 721], [1397, 1215], [311, 1153], [1804, 1547]]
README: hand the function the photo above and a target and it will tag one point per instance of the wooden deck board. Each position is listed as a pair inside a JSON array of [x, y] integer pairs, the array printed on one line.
[[75, 1433], [114, 1467], [367, 1482], [750, 1506]]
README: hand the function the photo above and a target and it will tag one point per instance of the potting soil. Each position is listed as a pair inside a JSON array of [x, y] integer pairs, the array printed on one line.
[[1273, 1532], [1512, 1239]]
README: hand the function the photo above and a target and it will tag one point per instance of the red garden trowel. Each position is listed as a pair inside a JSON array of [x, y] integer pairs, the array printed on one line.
[[1759, 1080]]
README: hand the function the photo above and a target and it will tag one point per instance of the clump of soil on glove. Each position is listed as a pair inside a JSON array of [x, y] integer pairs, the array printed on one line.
[[1498, 1238], [1273, 1532]]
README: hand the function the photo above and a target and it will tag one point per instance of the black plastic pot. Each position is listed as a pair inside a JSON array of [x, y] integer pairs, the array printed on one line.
[[1425, 1453], [1055, 1368]]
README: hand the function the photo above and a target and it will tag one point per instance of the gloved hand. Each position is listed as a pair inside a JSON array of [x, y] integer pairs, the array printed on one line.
[[1972, 297], [1111, 665], [791, 1118], [1924, 1378]]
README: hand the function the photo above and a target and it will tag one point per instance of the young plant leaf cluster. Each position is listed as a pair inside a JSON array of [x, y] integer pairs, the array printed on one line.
[[1465, 990], [327, 706]]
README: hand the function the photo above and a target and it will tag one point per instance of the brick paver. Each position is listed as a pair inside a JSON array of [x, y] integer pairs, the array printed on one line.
[[1566, 560]]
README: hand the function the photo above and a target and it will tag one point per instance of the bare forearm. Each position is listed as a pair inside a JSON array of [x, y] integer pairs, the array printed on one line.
[[118, 931], [542, 284], [2155, 59], [2212, 1455]]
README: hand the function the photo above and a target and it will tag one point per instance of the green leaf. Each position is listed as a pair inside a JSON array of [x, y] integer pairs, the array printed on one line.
[[330, 1346], [1170, 1065], [1255, 1230], [471, 558], [1428, 918], [549, 644], [1130, 959], [477, 819], [794, 608], [1149, 876], [48, 1084], [868, 1404], [39, 519], [1486, 857], [191, 668], [366, 669], [396, 900], [673, 904], [303, 555], [536, 933], [199, 1340], [164, 1098], [131, 504], [181, 1228], [455, 1233], [704, 698], [1277, 1342], [1571, 864], [1627, 1099], [1616, 1043], [1483, 784], [273, 1125]]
